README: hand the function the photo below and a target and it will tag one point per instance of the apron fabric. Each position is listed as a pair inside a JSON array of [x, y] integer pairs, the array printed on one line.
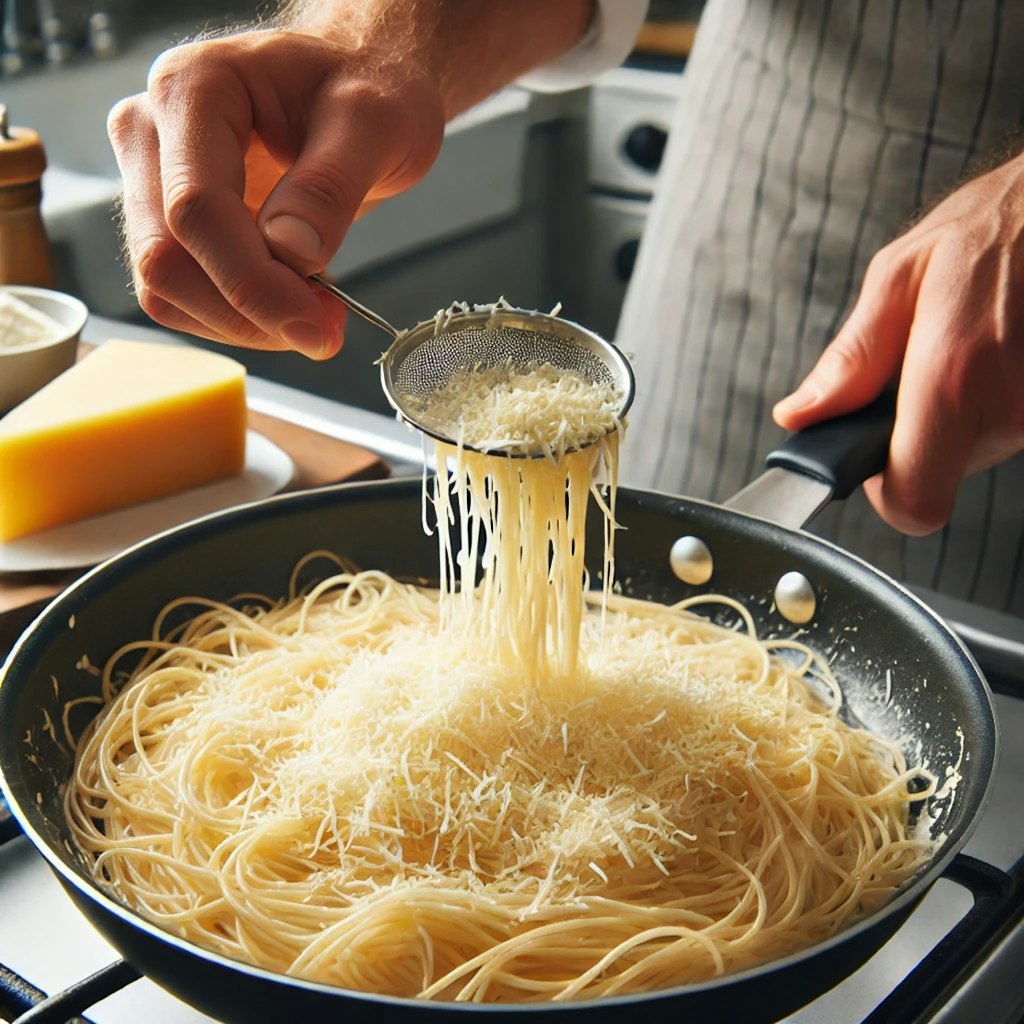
[[808, 135]]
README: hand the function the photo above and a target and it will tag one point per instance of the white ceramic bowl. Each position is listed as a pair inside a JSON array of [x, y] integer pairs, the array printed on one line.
[[24, 369]]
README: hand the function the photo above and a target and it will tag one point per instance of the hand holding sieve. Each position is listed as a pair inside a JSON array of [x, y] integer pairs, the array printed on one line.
[[424, 358]]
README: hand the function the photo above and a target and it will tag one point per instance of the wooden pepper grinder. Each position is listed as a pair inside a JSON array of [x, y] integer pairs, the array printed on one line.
[[24, 248]]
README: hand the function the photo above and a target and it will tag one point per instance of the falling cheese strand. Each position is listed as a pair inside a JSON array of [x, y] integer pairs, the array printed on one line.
[[514, 792], [524, 521]]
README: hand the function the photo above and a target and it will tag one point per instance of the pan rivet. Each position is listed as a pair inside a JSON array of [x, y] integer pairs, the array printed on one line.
[[691, 560], [795, 599]]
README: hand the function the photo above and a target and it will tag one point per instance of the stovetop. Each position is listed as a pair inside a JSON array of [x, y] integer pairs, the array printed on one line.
[[958, 958]]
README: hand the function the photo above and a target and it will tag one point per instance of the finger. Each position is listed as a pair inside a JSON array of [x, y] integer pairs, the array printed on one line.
[[865, 355], [936, 423], [136, 144], [238, 331], [164, 274], [204, 121], [353, 146], [917, 492], [220, 322], [170, 272], [171, 287], [216, 320]]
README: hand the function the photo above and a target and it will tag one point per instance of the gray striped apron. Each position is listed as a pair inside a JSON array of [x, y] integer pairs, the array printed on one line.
[[808, 135]]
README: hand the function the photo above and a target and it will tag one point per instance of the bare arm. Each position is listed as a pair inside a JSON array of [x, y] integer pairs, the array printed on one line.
[[248, 157], [471, 48]]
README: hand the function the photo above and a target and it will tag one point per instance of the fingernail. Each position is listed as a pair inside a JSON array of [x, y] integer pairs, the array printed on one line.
[[305, 337], [296, 236], [807, 394]]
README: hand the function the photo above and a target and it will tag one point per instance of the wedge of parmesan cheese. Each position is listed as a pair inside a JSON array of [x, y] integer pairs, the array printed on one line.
[[130, 422]]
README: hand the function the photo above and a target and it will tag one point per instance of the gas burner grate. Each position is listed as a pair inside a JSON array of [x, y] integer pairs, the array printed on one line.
[[998, 907], [23, 1003]]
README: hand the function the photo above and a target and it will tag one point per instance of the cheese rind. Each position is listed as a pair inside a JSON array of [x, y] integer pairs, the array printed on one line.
[[131, 422]]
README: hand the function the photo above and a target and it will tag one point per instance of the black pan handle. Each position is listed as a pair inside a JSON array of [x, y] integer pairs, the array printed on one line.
[[842, 452]]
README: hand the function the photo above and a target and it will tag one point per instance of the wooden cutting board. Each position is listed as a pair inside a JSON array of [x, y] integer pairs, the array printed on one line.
[[319, 460]]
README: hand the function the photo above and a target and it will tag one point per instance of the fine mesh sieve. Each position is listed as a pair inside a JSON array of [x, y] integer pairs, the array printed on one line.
[[425, 358]]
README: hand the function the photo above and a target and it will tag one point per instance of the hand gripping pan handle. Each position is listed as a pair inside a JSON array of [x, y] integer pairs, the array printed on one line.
[[813, 466]]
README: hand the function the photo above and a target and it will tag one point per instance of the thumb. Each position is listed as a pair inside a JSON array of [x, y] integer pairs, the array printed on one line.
[[863, 357], [351, 149]]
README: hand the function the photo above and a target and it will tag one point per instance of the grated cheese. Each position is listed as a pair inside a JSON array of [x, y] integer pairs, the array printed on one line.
[[521, 409], [22, 324]]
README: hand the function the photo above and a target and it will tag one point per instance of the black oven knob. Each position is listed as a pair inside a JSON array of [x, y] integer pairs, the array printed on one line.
[[645, 146], [625, 259]]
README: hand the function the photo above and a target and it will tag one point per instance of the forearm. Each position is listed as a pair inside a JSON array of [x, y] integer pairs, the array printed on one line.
[[470, 48]]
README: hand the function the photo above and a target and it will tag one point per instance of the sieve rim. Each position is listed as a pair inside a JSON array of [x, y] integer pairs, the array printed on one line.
[[410, 340]]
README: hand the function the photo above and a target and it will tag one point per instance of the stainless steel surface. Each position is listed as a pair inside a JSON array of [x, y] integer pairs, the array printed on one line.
[[691, 560], [421, 360], [998, 988], [357, 307], [795, 598], [784, 496]]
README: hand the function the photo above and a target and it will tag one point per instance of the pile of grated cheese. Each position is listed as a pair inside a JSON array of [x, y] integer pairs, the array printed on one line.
[[521, 409], [22, 324]]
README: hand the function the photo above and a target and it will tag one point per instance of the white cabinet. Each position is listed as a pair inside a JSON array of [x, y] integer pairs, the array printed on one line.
[[628, 118]]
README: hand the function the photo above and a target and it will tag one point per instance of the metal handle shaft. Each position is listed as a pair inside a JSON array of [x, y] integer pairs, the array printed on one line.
[[356, 307]]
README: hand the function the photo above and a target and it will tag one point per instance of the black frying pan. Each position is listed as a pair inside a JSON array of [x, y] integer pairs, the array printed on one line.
[[939, 703]]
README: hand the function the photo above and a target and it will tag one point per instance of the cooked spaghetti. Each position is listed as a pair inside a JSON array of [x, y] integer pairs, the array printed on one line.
[[333, 789], [511, 791]]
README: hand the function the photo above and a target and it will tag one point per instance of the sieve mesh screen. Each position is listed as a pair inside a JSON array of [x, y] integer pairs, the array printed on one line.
[[432, 363]]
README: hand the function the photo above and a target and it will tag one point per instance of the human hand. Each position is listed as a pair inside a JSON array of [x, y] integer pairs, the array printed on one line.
[[245, 163], [943, 307]]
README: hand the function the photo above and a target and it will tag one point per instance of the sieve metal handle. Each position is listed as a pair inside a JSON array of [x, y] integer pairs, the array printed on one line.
[[355, 306]]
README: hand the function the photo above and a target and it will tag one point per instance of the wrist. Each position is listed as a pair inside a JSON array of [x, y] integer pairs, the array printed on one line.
[[467, 49]]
